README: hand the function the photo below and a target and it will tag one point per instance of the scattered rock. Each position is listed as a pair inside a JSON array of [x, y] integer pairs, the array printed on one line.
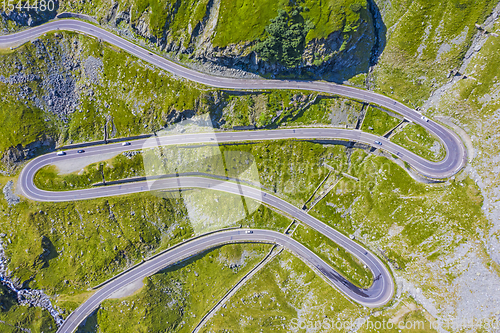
[[8, 192], [130, 154]]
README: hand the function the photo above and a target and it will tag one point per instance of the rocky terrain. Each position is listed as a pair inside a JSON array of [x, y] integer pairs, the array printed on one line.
[[17, 19], [10, 196], [26, 297], [186, 32], [448, 73]]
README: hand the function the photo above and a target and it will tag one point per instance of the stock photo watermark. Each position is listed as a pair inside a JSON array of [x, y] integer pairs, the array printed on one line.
[[381, 325], [219, 187]]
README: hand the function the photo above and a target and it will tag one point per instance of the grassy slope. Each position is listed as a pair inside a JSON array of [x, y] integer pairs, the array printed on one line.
[[65, 248], [69, 247], [127, 88], [386, 195], [123, 94], [119, 167], [244, 20], [380, 209], [287, 296], [238, 21], [412, 64], [473, 104], [383, 200], [336, 256], [407, 316], [176, 299], [461, 193], [177, 16], [324, 110], [14, 317], [285, 289], [379, 121], [26, 121], [416, 139], [296, 167], [386, 209], [123, 98]]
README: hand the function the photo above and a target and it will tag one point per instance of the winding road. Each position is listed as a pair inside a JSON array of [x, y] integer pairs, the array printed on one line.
[[382, 288], [456, 156]]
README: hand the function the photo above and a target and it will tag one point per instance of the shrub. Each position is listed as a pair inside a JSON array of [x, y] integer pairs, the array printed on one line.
[[355, 7], [285, 40]]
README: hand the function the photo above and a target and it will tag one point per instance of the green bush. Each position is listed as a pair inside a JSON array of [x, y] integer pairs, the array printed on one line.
[[285, 40], [355, 7]]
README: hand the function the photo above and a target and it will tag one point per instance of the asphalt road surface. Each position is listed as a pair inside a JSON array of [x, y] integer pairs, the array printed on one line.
[[456, 156], [379, 293], [382, 288]]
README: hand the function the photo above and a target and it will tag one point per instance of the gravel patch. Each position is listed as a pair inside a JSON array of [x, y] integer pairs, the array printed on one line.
[[77, 164]]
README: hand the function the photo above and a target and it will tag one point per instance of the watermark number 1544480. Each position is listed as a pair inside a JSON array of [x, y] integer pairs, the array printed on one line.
[[39, 5]]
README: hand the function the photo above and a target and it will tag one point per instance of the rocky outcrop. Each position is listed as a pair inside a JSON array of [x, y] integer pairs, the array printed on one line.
[[8, 192], [16, 155], [338, 57], [56, 90], [27, 297], [56, 81]]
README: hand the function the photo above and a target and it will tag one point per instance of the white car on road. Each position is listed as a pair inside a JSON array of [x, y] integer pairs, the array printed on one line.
[[424, 118]]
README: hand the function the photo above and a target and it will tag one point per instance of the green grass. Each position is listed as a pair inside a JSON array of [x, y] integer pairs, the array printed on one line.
[[119, 167], [387, 201], [416, 139], [380, 122], [238, 20], [337, 257], [14, 317], [359, 80], [297, 166], [67, 247], [26, 121], [386, 209], [292, 169], [326, 111], [285, 291], [161, 15], [412, 65], [134, 98], [176, 299], [244, 20], [329, 16], [318, 113], [127, 89], [407, 316]]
